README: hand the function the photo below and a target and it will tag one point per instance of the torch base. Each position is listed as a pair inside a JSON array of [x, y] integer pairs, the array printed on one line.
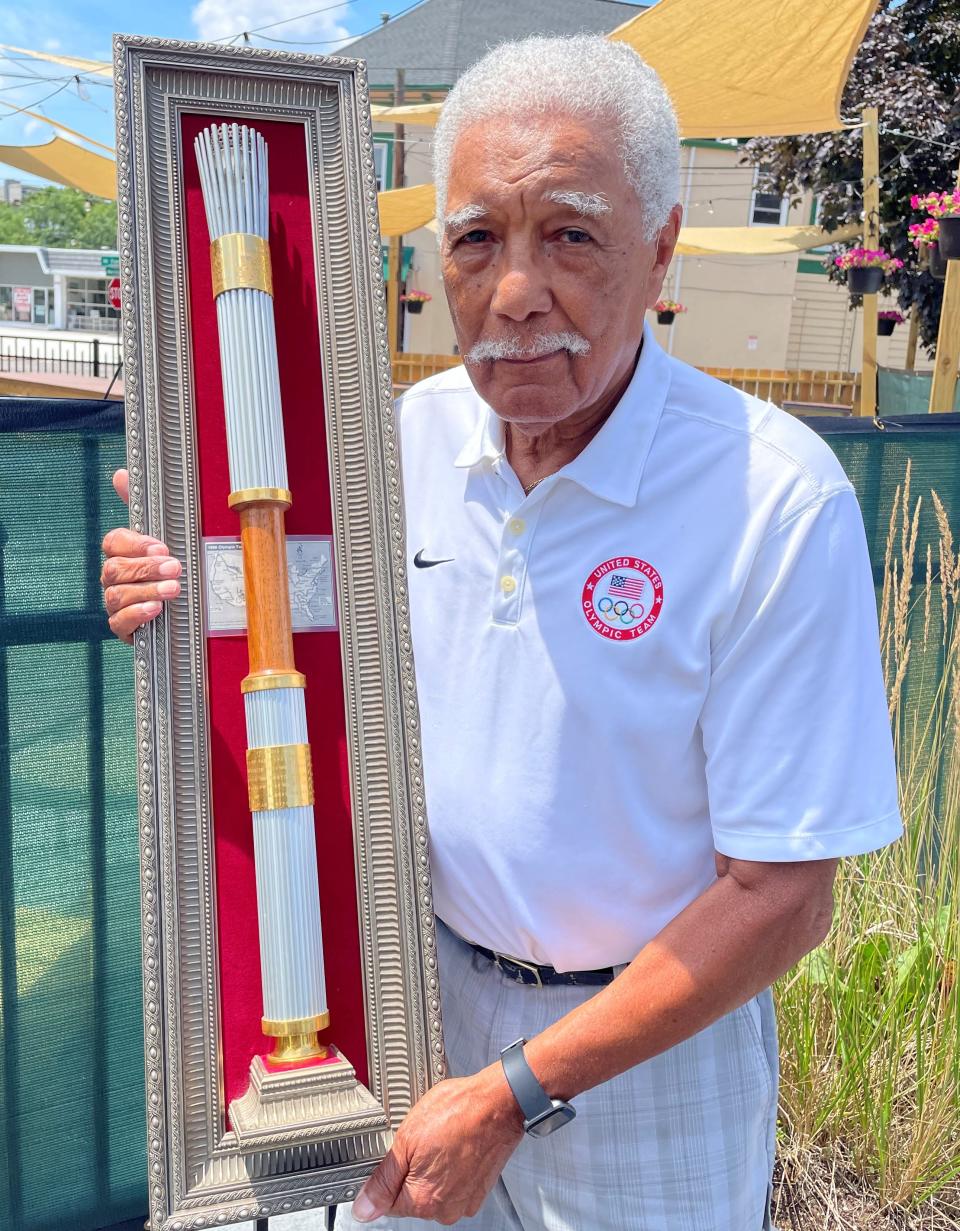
[[321, 1106]]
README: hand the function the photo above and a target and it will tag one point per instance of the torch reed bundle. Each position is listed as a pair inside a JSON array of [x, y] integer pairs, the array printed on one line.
[[233, 176]]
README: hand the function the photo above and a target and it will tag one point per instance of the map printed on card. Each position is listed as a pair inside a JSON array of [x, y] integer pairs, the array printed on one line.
[[310, 571]]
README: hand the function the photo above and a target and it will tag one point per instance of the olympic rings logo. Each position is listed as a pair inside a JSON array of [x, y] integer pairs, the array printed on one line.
[[626, 613]]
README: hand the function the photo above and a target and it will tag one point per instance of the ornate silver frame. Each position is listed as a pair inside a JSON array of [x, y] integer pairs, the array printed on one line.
[[198, 1175]]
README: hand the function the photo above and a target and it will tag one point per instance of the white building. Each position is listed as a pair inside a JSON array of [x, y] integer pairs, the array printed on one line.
[[56, 289]]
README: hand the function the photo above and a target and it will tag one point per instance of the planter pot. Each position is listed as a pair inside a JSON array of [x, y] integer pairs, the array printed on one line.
[[864, 279], [665, 318], [950, 238], [936, 262], [885, 328], [414, 305]]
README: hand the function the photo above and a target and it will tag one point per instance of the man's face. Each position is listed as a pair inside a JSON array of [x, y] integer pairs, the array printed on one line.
[[544, 237]]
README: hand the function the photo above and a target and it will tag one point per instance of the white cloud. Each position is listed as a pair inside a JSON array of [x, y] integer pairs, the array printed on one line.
[[215, 19], [36, 128], [52, 44]]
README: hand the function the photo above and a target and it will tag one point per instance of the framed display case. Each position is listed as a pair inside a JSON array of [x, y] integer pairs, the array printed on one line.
[[248, 1115]]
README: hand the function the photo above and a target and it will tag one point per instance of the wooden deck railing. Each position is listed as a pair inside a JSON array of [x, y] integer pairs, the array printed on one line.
[[840, 389], [408, 369]]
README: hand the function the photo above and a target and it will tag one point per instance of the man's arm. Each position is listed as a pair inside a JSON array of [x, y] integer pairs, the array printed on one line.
[[751, 926]]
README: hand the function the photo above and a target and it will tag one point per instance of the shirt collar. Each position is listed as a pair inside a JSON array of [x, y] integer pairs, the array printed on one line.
[[612, 463]]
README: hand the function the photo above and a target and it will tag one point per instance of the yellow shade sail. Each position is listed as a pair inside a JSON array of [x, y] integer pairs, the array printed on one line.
[[405, 209], [65, 163], [758, 241], [96, 68], [751, 68], [65, 128]]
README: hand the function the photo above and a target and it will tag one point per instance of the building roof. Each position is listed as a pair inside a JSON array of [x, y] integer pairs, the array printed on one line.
[[440, 39], [80, 262]]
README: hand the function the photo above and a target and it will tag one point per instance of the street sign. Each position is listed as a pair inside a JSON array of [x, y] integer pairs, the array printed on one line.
[[113, 293], [110, 265]]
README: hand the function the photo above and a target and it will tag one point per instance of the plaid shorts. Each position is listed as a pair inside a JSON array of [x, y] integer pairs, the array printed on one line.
[[682, 1142]]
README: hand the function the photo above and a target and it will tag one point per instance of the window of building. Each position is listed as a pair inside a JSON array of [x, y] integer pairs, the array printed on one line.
[[380, 163], [87, 306], [27, 305], [767, 207], [383, 162]]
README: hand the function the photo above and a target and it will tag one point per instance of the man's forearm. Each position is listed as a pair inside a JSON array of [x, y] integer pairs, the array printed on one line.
[[725, 947]]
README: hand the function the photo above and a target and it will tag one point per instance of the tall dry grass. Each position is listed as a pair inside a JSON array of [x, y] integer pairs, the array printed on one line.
[[870, 1021]]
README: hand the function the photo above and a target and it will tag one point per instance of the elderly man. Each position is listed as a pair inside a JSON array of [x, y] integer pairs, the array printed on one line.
[[653, 713]]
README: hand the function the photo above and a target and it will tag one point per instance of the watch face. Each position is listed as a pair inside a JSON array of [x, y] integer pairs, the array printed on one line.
[[547, 1123]]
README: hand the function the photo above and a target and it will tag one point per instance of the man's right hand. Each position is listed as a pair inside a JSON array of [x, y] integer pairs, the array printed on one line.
[[139, 575]]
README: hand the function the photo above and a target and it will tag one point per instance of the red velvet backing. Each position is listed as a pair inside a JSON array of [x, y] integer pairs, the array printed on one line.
[[317, 654]]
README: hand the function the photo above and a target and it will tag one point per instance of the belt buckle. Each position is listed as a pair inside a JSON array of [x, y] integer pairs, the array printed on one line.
[[515, 961]]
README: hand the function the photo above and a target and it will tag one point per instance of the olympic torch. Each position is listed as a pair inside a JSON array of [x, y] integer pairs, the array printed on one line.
[[233, 176]]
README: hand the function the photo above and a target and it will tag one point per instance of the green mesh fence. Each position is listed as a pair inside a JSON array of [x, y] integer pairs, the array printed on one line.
[[72, 1138], [72, 1145]]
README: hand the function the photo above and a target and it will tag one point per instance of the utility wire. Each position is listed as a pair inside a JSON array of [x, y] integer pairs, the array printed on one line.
[[286, 21], [16, 111], [327, 42]]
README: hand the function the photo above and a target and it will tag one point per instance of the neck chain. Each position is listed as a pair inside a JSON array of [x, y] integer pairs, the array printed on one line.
[[527, 490]]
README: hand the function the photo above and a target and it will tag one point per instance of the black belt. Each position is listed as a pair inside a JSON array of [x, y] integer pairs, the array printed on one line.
[[543, 976]]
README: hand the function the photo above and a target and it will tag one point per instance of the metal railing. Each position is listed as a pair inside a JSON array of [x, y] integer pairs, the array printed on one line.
[[75, 356]]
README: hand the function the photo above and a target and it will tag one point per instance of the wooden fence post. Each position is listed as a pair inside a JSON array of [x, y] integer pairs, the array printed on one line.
[[871, 239]]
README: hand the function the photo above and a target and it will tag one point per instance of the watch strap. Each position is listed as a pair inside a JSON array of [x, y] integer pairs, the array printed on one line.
[[531, 1096]]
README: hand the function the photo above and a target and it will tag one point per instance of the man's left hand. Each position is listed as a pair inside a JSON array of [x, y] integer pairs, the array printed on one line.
[[448, 1152]]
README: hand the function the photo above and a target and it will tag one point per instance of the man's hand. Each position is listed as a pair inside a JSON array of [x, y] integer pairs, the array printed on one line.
[[138, 576], [448, 1152]]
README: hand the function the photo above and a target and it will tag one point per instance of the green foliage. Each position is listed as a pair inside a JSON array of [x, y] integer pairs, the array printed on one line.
[[908, 66], [60, 218], [870, 1021]]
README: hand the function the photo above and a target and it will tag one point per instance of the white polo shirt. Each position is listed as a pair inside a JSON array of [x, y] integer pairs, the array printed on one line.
[[668, 649]]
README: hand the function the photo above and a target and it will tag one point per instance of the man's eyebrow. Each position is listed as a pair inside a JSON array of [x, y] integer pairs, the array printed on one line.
[[466, 213], [588, 204]]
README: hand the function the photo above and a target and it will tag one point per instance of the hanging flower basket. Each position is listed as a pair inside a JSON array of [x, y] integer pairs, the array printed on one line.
[[887, 321], [937, 265], [415, 301], [944, 208], [865, 268], [667, 310], [950, 237]]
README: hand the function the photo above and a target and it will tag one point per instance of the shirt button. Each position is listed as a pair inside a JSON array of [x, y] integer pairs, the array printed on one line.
[[517, 525], [507, 585]]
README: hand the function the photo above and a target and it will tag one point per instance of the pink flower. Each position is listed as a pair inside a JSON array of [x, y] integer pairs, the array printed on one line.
[[868, 258]]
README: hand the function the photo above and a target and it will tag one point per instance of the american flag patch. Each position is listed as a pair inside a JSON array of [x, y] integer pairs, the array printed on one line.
[[626, 587]]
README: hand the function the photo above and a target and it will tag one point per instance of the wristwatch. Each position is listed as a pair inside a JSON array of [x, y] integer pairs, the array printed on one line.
[[542, 1115]]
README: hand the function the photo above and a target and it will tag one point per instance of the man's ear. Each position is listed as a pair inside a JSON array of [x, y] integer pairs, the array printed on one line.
[[666, 241]]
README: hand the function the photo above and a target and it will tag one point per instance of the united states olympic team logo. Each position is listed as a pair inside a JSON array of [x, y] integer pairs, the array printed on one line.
[[622, 598]]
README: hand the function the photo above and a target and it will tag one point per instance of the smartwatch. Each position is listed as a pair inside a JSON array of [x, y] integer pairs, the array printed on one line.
[[542, 1115]]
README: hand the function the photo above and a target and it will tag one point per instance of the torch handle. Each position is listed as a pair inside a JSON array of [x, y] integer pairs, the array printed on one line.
[[269, 626]]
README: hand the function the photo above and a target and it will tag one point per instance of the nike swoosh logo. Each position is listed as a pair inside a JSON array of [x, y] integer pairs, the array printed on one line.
[[419, 562]]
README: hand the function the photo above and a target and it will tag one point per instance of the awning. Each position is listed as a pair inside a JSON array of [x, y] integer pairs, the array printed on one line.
[[65, 163]]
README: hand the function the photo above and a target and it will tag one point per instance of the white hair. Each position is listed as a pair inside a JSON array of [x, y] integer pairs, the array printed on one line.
[[584, 75]]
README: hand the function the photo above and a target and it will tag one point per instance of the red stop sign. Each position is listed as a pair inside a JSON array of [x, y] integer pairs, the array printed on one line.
[[113, 293]]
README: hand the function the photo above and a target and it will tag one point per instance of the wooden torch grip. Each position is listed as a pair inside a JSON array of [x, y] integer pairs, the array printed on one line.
[[269, 627]]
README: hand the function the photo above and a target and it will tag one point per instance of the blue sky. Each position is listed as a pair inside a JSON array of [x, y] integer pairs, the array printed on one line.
[[66, 27]]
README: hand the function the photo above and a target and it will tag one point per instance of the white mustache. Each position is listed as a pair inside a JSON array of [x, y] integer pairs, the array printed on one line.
[[513, 348]]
